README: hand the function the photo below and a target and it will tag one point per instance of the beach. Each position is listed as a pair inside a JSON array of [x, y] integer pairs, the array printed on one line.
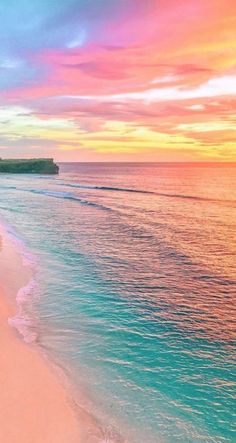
[[34, 406], [117, 294]]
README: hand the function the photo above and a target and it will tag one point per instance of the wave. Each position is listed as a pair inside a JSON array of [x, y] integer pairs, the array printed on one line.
[[184, 196], [7, 187], [142, 191], [195, 198], [24, 324], [69, 196], [106, 188]]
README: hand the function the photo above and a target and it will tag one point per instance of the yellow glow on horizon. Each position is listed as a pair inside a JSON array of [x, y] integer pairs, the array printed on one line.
[[119, 137]]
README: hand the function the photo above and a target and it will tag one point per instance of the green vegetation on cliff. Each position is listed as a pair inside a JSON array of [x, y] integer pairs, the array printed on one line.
[[29, 166]]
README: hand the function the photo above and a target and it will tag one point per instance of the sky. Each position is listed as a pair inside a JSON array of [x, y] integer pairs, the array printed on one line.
[[118, 80]]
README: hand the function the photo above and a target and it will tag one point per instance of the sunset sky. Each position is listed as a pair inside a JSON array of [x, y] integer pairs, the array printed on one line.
[[118, 80]]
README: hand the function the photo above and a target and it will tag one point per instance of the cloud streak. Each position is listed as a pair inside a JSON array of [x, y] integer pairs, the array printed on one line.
[[108, 80]]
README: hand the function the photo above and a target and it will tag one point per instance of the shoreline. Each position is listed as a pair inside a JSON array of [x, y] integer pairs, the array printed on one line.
[[35, 406]]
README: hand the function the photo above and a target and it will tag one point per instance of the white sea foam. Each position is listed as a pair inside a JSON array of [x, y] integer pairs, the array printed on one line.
[[25, 327], [22, 320]]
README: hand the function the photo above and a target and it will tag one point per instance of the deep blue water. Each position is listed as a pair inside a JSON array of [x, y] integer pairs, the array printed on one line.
[[136, 279]]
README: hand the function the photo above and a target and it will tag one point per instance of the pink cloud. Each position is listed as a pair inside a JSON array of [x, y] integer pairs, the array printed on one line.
[[173, 45]]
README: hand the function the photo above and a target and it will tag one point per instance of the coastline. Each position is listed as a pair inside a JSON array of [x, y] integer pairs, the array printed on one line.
[[34, 404]]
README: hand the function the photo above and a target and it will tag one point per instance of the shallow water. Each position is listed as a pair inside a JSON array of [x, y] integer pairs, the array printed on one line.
[[136, 279]]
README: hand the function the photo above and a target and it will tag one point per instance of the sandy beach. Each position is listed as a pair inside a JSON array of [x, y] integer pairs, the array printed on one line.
[[34, 406]]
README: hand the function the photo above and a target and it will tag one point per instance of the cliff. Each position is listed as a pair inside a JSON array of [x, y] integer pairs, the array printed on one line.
[[29, 166]]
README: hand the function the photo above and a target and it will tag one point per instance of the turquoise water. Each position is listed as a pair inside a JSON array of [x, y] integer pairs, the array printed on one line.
[[136, 279]]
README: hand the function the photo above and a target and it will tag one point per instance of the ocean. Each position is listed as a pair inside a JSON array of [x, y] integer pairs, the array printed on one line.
[[134, 292]]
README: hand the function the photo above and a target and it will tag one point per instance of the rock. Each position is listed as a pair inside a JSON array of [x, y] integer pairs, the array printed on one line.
[[29, 166]]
